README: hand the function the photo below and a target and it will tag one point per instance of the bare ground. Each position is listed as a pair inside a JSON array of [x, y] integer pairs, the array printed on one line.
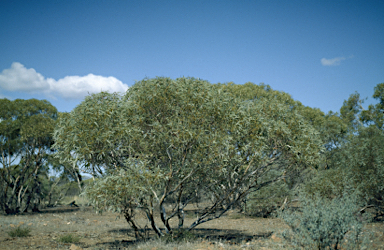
[[108, 231]]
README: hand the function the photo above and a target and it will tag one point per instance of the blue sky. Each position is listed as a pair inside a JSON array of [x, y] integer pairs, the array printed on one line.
[[320, 52]]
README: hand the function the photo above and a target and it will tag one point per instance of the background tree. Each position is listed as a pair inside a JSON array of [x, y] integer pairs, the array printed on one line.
[[65, 182], [173, 141], [356, 161], [26, 128]]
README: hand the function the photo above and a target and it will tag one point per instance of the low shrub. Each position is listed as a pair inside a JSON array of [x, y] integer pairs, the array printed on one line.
[[322, 223], [69, 238], [20, 232]]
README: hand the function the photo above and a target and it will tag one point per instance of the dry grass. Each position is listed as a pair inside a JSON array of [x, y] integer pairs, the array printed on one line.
[[107, 231]]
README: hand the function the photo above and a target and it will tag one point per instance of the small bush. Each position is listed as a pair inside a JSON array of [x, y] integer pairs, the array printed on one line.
[[324, 223], [69, 238], [19, 232]]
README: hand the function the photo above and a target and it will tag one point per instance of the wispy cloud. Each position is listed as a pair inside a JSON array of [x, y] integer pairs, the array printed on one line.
[[19, 78], [332, 62]]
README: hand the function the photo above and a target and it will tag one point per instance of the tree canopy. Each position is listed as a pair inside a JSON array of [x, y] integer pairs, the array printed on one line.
[[176, 141]]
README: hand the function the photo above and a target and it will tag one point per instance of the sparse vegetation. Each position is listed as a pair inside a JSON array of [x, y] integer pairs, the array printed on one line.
[[233, 231], [20, 231], [69, 238], [180, 235]]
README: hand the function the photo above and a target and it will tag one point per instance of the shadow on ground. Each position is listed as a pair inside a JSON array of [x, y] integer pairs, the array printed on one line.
[[228, 236], [59, 210], [51, 210]]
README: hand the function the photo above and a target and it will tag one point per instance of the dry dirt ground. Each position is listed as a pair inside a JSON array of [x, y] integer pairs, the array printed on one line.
[[108, 231]]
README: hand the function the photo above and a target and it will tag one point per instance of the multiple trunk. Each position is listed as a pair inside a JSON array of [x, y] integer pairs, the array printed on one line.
[[20, 188], [223, 199]]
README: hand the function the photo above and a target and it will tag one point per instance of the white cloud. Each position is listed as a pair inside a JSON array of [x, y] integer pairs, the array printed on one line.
[[79, 86], [332, 62], [19, 78]]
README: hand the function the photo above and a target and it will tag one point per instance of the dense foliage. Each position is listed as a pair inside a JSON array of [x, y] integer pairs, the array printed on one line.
[[176, 141], [324, 224]]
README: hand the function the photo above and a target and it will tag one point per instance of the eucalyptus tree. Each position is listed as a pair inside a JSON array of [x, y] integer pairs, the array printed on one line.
[[332, 127], [26, 128], [266, 200], [87, 138], [374, 115], [365, 151], [356, 162], [166, 143], [65, 171]]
